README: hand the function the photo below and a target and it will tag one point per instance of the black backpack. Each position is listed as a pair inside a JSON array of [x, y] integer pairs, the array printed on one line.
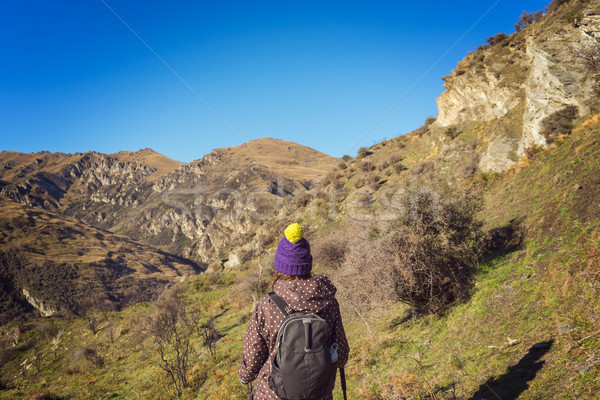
[[302, 368]]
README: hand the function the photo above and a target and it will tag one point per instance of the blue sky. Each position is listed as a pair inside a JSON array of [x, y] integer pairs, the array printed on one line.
[[320, 73]]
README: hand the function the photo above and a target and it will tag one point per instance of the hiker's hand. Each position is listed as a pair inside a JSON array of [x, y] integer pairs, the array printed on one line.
[[242, 382]]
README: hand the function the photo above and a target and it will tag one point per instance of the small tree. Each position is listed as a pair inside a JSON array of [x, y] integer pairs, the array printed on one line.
[[210, 336], [93, 323], [172, 327], [527, 19]]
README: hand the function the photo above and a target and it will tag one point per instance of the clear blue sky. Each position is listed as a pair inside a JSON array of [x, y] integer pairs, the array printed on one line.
[[320, 73]]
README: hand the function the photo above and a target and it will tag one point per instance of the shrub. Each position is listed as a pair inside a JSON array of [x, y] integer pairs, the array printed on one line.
[[172, 327], [468, 169], [497, 38], [451, 132], [372, 181], [366, 166], [342, 165], [426, 258], [363, 152], [589, 58], [421, 167], [560, 122], [346, 157], [330, 252], [302, 199], [359, 182], [555, 5], [382, 165], [399, 167], [527, 19], [90, 354], [532, 152]]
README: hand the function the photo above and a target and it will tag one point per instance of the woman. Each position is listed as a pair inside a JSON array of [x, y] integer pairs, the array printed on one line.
[[294, 283]]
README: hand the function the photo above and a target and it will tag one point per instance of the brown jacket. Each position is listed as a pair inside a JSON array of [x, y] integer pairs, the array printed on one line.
[[315, 295]]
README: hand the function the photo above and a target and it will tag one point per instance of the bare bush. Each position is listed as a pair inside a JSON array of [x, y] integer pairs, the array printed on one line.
[[171, 326], [359, 182], [210, 336], [558, 123], [426, 258], [91, 355], [399, 167], [555, 5], [363, 152], [422, 167], [532, 152], [329, 252], [451, 132], [589, 58], [366, 166], [303, 199], [373, 181], [497, 38], [468, 169], [93, 323]]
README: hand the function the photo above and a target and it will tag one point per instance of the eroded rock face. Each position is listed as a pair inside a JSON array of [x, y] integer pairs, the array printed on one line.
[[44, 310], [534, 73]]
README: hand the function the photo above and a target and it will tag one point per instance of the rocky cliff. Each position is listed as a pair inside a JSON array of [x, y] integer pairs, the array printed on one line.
[[528, 76]]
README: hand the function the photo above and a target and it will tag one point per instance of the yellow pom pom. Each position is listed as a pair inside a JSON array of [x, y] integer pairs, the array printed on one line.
[[294, 233]]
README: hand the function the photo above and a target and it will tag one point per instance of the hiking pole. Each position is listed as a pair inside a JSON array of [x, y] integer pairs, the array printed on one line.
[[343, 378], [250, 397]]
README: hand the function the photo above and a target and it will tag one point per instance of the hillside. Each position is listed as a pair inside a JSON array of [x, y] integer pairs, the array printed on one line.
[[54, 264]]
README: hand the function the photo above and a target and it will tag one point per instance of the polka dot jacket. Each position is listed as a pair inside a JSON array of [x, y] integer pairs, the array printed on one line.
[[315, 295]]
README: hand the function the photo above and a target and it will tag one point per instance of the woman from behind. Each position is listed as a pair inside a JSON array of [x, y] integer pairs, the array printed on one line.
[[303, 293]]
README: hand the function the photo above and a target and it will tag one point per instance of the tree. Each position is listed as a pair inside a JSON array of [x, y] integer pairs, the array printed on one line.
[[210, 336], [171, 326]]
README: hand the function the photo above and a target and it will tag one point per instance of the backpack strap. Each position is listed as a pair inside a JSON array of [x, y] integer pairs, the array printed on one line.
[[281, 304]]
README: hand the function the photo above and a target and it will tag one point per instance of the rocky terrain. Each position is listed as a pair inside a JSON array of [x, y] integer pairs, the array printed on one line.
[[525, 77]]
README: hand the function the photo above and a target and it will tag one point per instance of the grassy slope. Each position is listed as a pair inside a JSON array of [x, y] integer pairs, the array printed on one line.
[[526, 295]]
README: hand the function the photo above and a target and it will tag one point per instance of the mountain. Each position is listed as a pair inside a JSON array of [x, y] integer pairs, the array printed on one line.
[[197, 210], [58, 182]]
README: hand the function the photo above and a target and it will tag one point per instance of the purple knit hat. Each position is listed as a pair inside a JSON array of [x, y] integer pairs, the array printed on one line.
[[293, 256]]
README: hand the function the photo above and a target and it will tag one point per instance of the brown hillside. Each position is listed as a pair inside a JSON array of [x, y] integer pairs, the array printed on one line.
[[66, 265]]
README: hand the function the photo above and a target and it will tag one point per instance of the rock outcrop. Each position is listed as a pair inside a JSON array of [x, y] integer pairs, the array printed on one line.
[[533, 73]]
